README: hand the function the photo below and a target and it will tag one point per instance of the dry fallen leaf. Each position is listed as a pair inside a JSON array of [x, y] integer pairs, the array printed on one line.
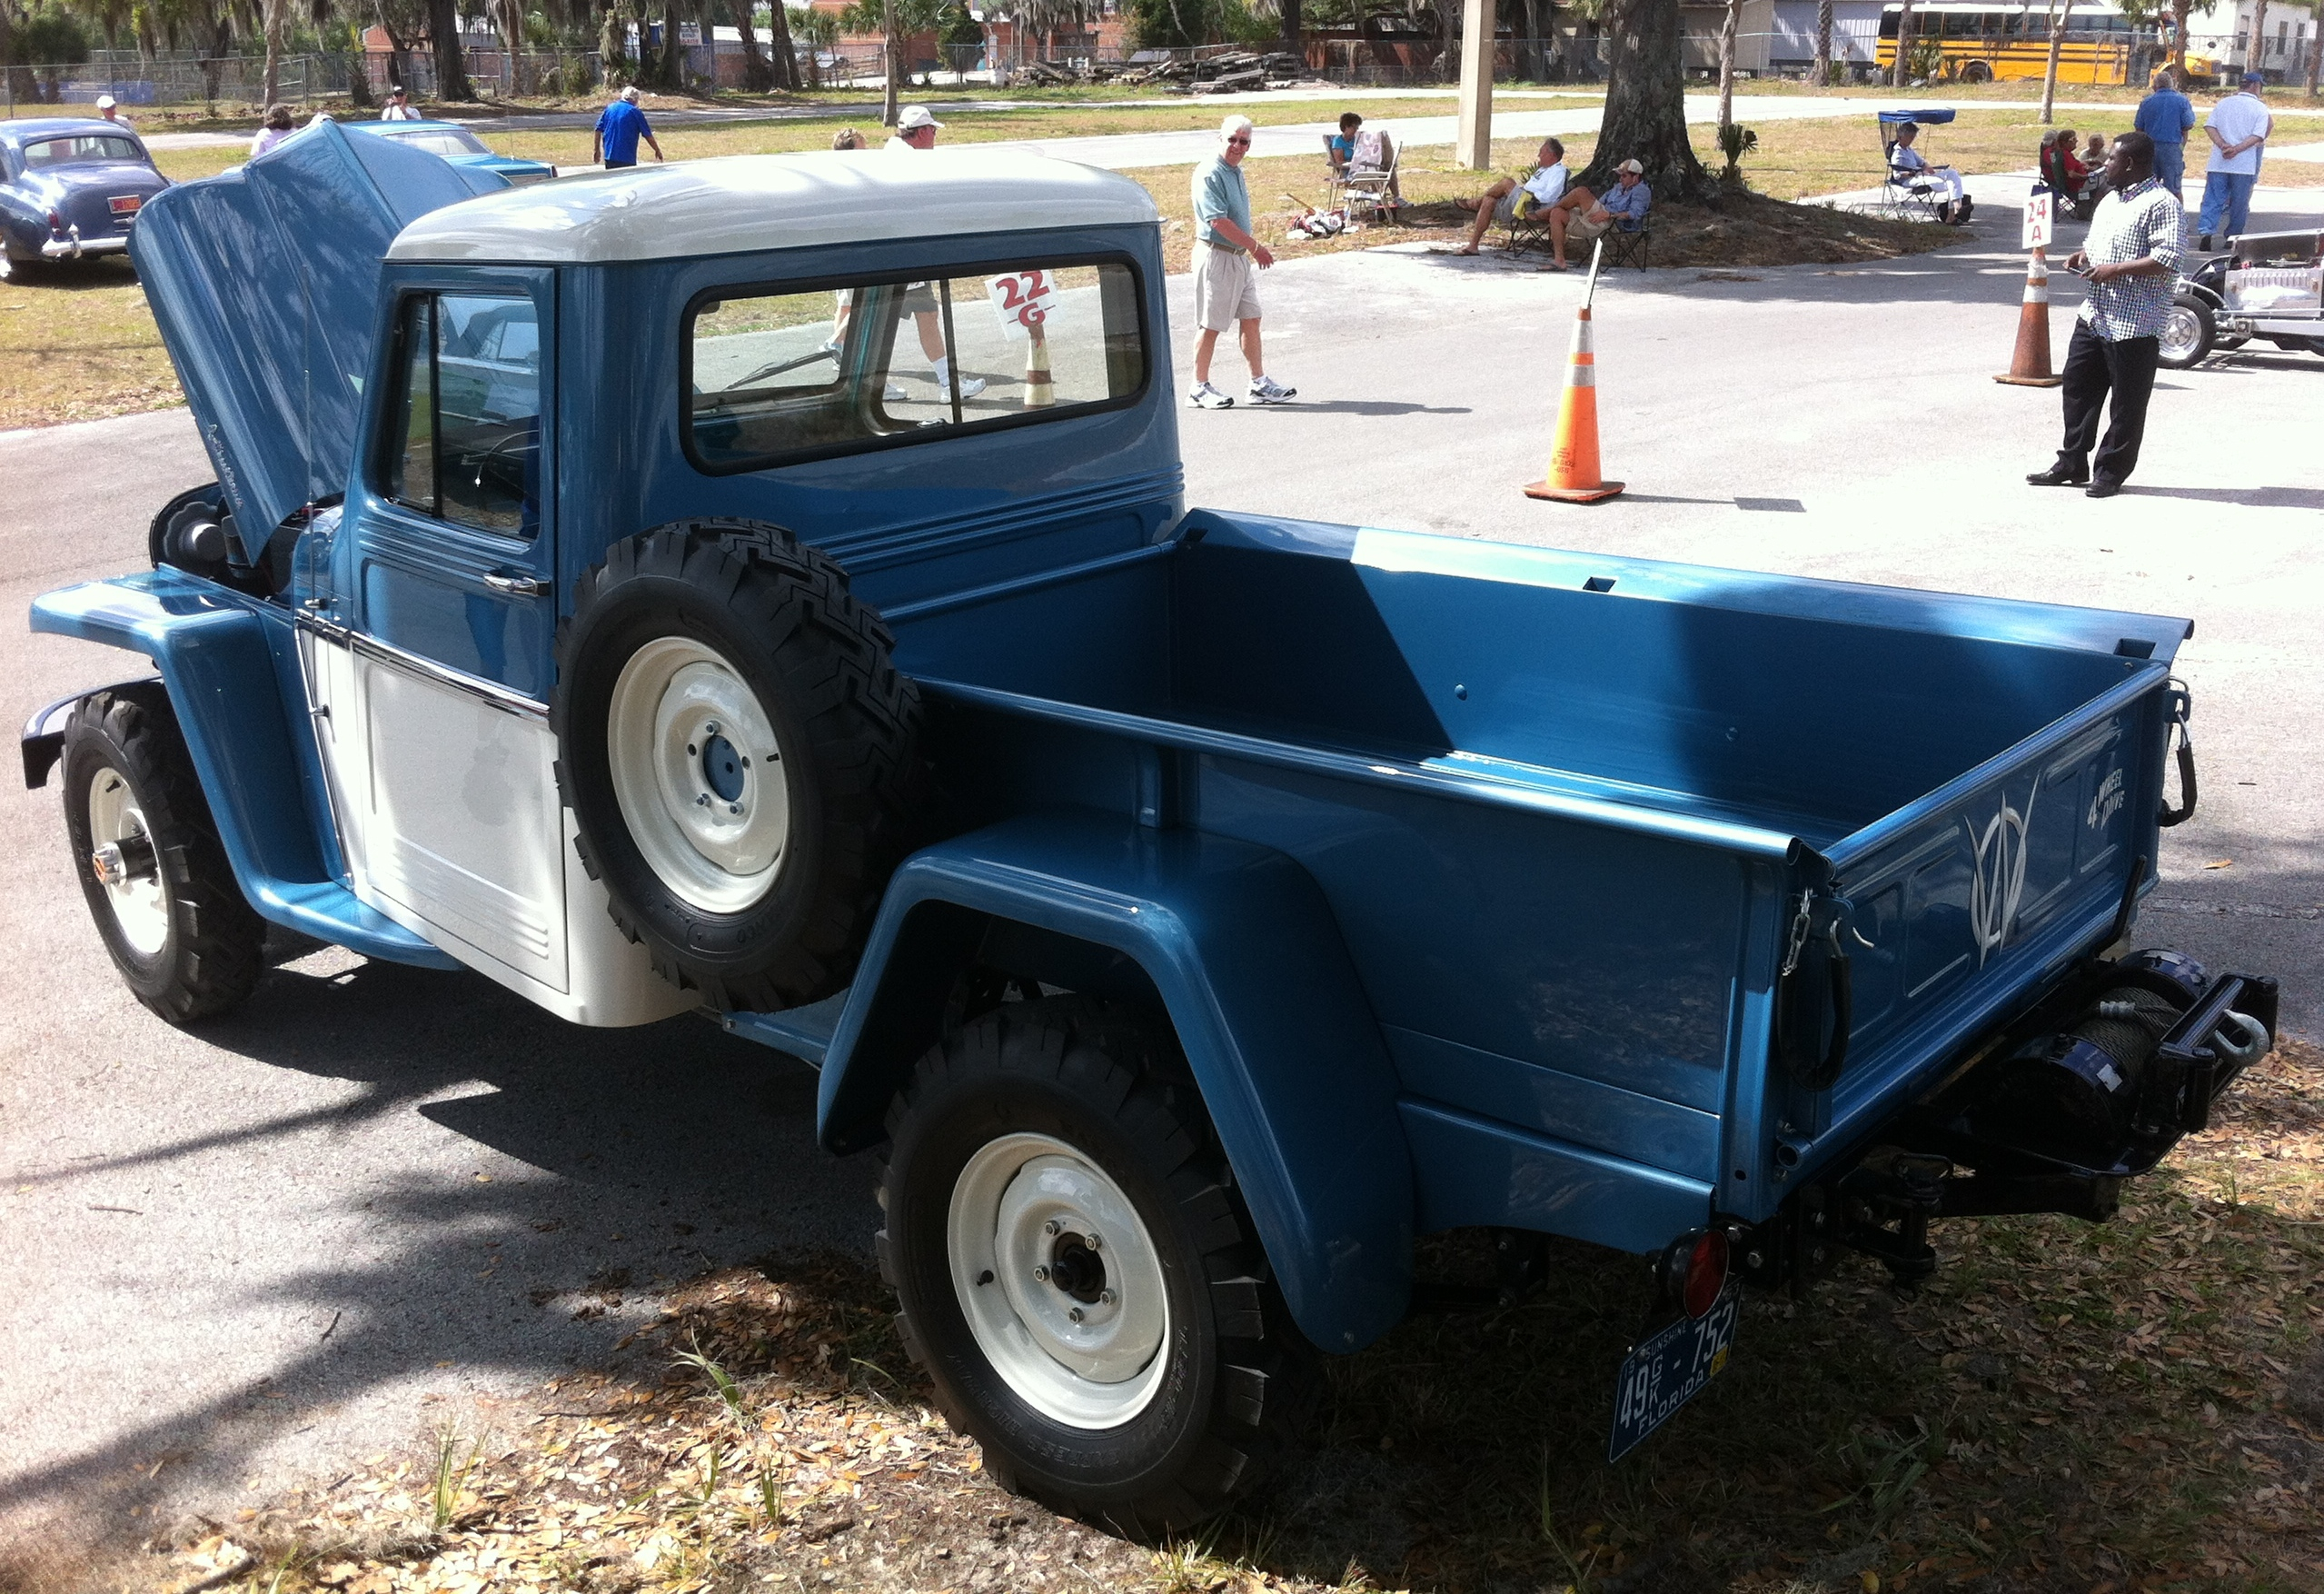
[[2220, 863]]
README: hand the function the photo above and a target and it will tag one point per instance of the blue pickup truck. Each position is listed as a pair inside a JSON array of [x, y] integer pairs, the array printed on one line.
[[765, 587]]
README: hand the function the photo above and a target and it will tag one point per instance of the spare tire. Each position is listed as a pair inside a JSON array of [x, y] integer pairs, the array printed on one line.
[[738, 748]]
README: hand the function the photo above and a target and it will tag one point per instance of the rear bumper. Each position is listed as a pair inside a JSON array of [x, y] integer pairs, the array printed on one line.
[[74, 248], [2040, 1122]]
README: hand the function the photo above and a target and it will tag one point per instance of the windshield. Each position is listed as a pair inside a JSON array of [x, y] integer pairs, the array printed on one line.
[[86, 150], [443, 141]]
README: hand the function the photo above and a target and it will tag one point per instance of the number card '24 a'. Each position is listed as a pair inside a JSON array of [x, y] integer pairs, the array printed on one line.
[[1024, 299]]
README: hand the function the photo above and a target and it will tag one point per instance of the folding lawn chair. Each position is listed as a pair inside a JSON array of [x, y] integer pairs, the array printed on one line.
[[1902, 196], [1369, 182]]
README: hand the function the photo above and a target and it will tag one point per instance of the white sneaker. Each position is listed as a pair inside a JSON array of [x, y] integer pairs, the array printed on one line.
[[970, 387], [1266, 390], [893, 393], [1207, 397]]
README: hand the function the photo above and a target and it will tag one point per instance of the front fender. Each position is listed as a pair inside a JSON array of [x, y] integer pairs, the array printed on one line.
[[230, 685], [1244, 950]]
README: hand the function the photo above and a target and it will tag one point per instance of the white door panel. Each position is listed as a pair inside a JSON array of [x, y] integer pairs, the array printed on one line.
[[464, 826]]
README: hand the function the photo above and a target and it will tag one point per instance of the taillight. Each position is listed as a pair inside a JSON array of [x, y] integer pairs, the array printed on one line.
[[1707, 1273], [56, 221]]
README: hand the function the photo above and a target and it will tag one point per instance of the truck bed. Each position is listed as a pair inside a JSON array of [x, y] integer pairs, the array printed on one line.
[[1562, 807]]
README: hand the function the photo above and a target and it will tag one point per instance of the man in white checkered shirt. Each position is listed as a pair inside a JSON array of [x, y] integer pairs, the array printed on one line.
[[2131, 259]]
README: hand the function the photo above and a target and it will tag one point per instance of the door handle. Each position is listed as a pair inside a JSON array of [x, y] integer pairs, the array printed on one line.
[[515, 586]]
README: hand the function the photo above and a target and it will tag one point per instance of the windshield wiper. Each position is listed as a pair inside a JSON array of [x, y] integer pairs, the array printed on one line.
[[777, 369]]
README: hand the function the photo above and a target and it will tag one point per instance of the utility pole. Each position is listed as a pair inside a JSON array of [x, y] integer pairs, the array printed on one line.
[[1473, 145]]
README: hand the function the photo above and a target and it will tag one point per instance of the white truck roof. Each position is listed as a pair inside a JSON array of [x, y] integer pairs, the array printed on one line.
[[738, 204]]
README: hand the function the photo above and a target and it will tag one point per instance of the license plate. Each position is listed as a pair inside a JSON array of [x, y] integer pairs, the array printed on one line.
[[1667, 1371], [126, 204]]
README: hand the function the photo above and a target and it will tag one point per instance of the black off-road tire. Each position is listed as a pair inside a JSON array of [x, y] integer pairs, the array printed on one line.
[[213, 951], [1109, 1081], [821, 666]]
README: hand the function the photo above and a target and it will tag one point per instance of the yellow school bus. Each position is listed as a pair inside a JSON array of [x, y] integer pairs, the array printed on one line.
[[2000, 44]]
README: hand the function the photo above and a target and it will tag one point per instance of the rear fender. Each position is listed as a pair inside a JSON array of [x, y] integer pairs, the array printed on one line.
[[1238, 945], [233, 678]]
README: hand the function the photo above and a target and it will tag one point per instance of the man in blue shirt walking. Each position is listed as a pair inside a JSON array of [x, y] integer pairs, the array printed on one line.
[[615, 142], [2167, 116]]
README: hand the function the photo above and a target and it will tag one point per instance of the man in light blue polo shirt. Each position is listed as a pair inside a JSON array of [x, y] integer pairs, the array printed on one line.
[[1227, 260], [2167, 116]]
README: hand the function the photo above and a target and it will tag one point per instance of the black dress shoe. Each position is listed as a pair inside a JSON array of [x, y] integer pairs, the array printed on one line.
[[2059, 475], [2101, 489]]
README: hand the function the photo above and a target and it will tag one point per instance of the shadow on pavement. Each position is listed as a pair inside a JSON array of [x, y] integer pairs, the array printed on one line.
[[649, 1155]]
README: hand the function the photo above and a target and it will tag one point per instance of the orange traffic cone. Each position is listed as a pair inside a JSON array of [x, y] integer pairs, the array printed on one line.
[[1039, 393], [1572, 475], [2030, 366]]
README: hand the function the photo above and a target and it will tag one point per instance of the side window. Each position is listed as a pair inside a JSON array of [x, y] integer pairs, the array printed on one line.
[[783, 376], [466, 433]]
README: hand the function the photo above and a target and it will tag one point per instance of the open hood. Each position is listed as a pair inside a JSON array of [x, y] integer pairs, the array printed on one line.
[[266, 283]]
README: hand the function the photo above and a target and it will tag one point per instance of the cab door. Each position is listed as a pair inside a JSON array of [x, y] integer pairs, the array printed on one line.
[[438, 718]]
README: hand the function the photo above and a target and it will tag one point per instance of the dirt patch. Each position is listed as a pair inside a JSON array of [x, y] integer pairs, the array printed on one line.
[[2132, 1407], [1747, 230]]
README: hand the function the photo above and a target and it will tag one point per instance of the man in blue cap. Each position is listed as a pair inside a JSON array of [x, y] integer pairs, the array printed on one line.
[[2238, 126]]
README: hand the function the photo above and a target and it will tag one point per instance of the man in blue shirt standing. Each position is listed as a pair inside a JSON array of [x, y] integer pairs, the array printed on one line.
[[615, 142], [2167, 116]]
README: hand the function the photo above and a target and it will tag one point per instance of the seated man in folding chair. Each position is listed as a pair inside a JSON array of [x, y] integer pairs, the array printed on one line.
[[1583, 217], [1363, 164], [1511, 200], [1907, 164]]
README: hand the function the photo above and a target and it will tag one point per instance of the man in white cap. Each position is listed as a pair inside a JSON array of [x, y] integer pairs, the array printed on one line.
[[1583, 218], [916, 129], [1227, 260], [106, 109], [399, 107], [619, 128]]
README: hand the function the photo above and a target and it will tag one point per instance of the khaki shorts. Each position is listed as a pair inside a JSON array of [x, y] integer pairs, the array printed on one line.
[[1227, 288], [1583, 230]]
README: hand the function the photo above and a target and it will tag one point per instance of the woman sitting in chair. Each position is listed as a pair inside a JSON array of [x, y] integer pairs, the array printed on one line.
[[1912, 166], [2068, 177]]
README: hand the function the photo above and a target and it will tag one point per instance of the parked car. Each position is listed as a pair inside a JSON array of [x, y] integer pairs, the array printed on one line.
[[457, 144], [2266, 285], [71, 189], [1190, 907]]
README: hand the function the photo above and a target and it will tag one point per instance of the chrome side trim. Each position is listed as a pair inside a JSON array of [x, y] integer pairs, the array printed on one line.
[[491, 693]]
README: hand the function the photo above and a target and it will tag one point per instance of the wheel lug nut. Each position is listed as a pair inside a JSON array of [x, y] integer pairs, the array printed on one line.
[[1105, 1297], [1094, 1240], [703, 800], [734, 808], [1040, 1275], [1052, 1228], [1075, 1315], [710, 729]]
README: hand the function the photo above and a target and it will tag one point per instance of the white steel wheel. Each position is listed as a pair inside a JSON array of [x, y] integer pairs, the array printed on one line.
[[1060, 1281], [2188, 331], [122, 858], [697, 770]]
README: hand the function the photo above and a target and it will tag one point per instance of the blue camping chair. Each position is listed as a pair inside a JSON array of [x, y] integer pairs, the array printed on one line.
[[1908, 196]]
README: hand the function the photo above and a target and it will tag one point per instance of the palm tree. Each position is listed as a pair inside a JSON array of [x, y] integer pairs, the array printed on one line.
[[1822, 68]]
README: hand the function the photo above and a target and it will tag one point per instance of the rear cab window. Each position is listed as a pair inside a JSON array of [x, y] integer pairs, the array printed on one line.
[[82, 150], [777, 373]]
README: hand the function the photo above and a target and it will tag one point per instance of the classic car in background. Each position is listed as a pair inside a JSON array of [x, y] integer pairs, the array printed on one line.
[[2269, 285], [70, 190], [458, 145]]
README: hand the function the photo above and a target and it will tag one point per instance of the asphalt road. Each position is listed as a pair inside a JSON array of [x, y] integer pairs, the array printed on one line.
[[269, 1249]]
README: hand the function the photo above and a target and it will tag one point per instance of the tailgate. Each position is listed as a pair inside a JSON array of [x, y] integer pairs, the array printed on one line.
[[1958, 910]]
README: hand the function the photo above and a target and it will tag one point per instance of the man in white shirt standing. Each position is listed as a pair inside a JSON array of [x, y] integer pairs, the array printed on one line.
[[1544, 187], [916, 128], [105, 108], [2238, 127], [399, 107]]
